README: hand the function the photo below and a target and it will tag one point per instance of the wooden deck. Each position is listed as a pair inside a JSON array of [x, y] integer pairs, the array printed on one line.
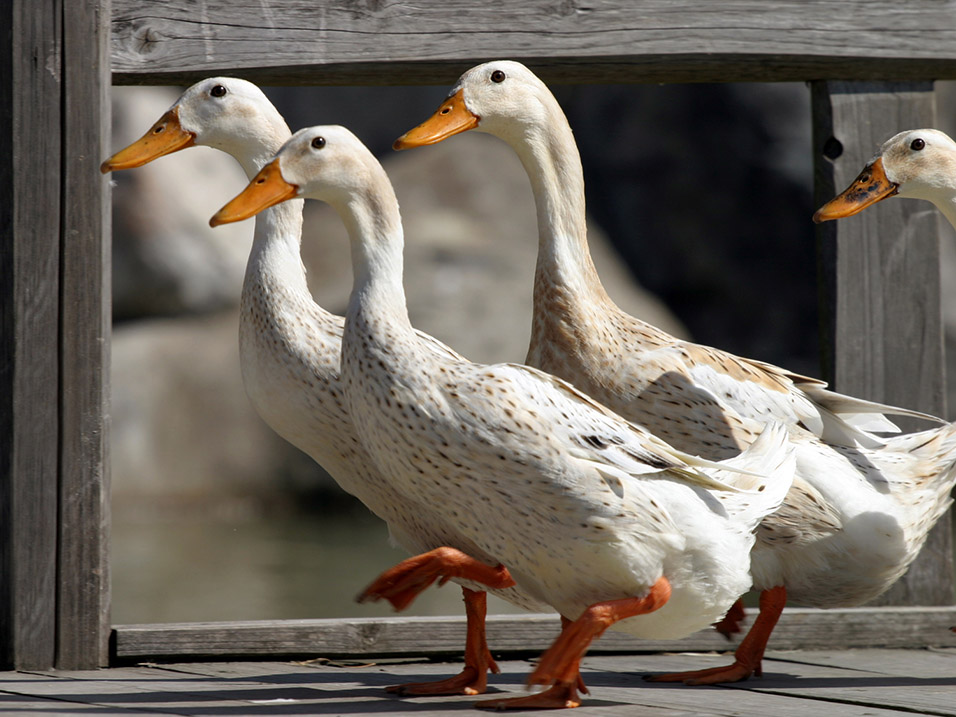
[[873, 682]]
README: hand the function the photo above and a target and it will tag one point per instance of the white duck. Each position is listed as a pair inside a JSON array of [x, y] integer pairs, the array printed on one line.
[[860, 506], [589, 513], [917, 164], [290, 347]]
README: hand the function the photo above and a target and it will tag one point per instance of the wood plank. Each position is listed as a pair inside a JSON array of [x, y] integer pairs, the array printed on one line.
[[883, 333], [925, 663], [509, 634], [341, 42], [912, 692], [83, 625], [616, 687], [852, 691], [744, 698], [30, 153]]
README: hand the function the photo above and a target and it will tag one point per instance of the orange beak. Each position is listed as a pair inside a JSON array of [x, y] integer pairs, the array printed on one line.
[[266, 189], [869, 188], [164, 137], [451, 118]]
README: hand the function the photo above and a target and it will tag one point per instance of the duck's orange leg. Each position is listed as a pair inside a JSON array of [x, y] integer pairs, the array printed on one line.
[[402, 583], [560, 664], [473, 679], [749, 654], [557, 696], [729, 624]]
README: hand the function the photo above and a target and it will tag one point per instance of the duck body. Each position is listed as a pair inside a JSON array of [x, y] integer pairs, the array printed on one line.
[[580, 505], [493, 440], [289, 346], [860, 504]]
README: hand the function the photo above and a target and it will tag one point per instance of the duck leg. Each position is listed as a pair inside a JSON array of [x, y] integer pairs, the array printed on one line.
[[560, 664], [749, 653], [729, 624], [473, 679], [402, 583], [556, 696]]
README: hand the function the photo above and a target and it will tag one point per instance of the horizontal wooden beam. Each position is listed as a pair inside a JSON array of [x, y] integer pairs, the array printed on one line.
[[343, 42], [798, 629]]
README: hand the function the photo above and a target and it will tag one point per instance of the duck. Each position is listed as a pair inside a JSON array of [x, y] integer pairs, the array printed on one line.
[[860, 505], [916, 163], [589, 513], [290, 348]]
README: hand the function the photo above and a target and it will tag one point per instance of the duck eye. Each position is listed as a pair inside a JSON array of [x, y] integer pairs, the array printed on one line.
[[318, 142], [497, 76], [917, 144], [218, 91]]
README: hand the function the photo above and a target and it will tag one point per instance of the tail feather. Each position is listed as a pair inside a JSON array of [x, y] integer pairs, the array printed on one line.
[[762, 474], [924, 472], [863, 414]]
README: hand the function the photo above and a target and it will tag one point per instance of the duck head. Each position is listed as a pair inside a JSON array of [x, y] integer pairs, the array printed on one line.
[[503, 98], [918, 164], [225, 113]]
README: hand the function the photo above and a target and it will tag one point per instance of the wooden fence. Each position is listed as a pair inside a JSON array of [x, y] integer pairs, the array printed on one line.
[[871, 65]]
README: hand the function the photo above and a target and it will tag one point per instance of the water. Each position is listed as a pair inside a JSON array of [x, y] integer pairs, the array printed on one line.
[[195, 568]]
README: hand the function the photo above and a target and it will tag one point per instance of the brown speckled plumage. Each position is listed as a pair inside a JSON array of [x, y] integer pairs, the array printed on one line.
[[289, 346], [860, 506], [579, 505]]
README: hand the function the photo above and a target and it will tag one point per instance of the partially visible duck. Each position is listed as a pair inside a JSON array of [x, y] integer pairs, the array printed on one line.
[[290, 347], [860, 506], [917, 164], [588, 512]]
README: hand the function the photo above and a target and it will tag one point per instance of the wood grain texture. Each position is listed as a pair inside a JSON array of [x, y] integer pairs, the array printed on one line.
[[797, 629], [83, 577], [30, 153], [880, 283], [388, 42], [790, 687]]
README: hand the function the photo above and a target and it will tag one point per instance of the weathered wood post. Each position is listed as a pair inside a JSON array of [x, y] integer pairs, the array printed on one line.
[[880, 284], [54, 334]]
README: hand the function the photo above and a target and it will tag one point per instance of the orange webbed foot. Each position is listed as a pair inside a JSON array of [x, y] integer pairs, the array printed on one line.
[[470, 681], [737, 672], [554, 698]]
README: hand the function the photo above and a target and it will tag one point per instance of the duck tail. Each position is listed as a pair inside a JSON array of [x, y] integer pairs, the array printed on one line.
[[762, 475], [928, 467]]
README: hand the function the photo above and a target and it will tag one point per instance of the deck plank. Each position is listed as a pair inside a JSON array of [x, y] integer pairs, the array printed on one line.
[[925, 663], [879, 683], [801, 629]]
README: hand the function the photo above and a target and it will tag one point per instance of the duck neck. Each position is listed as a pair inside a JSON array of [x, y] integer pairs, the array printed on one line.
[[947, 205], [550, 157], [374, 226], [275, 262]]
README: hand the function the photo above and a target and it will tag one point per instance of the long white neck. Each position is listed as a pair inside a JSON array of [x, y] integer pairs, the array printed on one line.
[[550, 157], [374, 226], [946, 203], [276, 248]]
